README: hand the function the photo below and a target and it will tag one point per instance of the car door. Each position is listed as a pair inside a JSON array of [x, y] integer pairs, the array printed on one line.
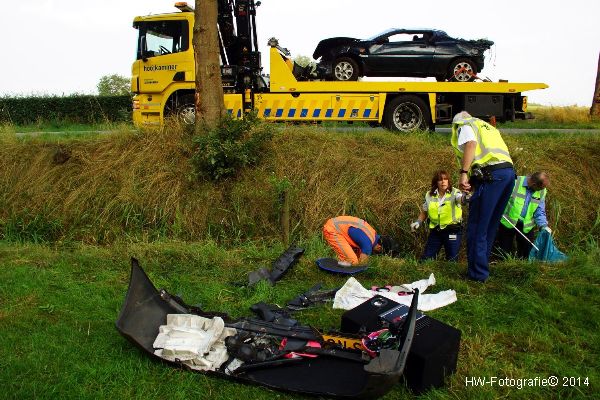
[[446, 49], [403, 53]]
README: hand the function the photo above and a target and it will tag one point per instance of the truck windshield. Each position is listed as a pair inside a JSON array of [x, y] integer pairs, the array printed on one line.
[[157, 38]]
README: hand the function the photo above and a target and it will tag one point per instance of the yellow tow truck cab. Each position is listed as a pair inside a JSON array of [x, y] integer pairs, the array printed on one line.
[[163, 80]]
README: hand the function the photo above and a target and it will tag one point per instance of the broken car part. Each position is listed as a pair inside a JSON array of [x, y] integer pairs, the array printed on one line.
[[334, 372], [311, 298], [284, 262]]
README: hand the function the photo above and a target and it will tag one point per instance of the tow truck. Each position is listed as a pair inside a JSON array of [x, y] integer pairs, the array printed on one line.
[[163, 81]]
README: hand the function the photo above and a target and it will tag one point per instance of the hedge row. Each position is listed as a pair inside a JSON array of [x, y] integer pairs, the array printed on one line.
[[85, 109]]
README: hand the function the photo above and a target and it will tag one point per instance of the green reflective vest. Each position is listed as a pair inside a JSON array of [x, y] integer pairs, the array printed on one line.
[[450, 211], [490, 145], [516, 202]]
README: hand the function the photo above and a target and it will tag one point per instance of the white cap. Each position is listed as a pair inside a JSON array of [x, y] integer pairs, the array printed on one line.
[[461, 116]]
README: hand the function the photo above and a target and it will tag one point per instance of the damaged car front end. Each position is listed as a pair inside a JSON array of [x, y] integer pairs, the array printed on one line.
[[277, 354]]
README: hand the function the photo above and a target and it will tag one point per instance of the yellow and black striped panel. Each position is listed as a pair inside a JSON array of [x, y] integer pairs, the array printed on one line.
[[348, 342], [233, 105], [316, 107]]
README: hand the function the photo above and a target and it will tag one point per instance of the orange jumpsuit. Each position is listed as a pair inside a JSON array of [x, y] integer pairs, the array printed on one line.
[[335, 232]]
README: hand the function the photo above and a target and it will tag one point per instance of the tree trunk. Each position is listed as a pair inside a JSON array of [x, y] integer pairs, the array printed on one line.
[[595, 109], [210, 106]]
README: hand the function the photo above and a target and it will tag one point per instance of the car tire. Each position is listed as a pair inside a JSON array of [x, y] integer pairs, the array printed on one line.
[[345, 69], [406, 114], [462, 70]]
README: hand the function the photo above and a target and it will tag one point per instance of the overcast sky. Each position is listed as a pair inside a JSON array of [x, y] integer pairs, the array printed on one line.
[[60, 46]]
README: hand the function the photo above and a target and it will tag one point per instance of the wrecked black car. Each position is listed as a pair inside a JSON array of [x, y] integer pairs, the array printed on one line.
[[402, 52], [275, 352]]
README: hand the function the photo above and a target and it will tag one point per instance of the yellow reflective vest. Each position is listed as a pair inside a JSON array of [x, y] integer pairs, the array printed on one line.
[[490, 145], [447, 213], [514, 208]]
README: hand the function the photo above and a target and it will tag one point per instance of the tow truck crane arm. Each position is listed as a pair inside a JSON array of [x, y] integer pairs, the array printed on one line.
[[236, 21], [238, 39]]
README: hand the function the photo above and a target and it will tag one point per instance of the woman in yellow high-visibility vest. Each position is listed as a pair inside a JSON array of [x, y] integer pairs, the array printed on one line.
[[443, 208]]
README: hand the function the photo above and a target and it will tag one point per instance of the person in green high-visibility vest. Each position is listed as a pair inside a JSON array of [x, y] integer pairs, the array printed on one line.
[[526, 208]]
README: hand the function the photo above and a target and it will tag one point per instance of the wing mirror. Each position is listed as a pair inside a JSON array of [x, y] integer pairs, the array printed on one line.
[[143, 50]]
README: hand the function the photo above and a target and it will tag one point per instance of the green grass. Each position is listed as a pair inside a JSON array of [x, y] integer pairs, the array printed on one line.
[[134, 192], [58, 305], [60, 132], [60, 126]]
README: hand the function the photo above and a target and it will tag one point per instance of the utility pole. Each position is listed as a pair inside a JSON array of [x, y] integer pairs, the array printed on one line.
[[210, 106], [595, 109]]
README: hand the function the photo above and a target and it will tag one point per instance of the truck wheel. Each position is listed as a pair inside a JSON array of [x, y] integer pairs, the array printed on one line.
[[406, 114], [462, 70], [185, 110], [345, 69]]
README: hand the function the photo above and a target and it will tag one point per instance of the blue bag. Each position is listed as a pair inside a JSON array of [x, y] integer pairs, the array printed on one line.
[[547, 250]]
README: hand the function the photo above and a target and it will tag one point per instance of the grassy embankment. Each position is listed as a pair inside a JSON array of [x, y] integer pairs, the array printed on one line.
[[135, 194], [142, 186]]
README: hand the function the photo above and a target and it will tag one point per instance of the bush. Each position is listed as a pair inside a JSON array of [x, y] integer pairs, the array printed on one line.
[[233, 145], [84, 109]]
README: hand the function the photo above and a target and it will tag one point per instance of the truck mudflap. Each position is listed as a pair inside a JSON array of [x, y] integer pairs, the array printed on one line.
[[335, 371]]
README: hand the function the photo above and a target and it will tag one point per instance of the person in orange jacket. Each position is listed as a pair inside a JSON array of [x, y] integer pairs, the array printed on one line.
[[354, 240]]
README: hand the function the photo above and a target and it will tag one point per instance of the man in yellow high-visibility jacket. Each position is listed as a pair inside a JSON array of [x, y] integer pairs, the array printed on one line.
[[526, 208], [486, 170]]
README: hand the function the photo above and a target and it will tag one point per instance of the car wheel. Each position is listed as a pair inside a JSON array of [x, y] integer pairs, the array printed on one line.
[[462, 70], [345, 69], [406, 114]]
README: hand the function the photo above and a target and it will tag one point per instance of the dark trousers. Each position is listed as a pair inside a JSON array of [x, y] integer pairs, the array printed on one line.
[[485, 210], [505, 241], [449, 238]]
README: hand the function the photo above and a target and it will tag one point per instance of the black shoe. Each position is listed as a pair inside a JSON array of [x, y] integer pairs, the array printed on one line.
[[469, 278]]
